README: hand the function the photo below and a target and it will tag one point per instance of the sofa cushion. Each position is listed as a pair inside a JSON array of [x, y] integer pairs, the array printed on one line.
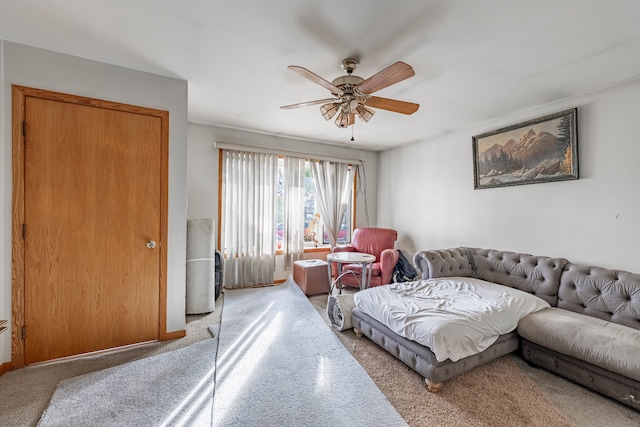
[[598, 342]]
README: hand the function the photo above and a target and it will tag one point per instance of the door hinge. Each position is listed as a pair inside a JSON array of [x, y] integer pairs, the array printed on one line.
[[24, 128], [24, 231], [24, 332]]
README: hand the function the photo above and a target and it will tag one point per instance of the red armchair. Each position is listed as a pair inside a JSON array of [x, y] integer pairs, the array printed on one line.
[[375, 241]]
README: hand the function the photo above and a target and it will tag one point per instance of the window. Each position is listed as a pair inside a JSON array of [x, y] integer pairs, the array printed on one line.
[[314, 234]]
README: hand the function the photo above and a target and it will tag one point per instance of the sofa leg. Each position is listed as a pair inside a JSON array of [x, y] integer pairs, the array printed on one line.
[[433, 388], [358, 332]]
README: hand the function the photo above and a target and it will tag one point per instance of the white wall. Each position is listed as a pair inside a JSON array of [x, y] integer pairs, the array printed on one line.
[[202, 173], [203, 169], [425, 190], [43, 69]]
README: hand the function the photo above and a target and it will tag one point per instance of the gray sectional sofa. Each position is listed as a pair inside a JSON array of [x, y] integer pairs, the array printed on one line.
[[590, 335]]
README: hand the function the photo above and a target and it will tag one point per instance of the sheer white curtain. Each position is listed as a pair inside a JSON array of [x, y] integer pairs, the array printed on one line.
[[248, 223], [293, 186], [333, 182]]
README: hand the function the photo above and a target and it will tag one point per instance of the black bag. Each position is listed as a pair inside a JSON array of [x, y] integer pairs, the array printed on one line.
[[404, 271], [218, 274]]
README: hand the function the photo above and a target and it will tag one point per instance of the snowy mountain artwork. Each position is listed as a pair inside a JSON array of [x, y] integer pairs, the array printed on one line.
[[539, 150]]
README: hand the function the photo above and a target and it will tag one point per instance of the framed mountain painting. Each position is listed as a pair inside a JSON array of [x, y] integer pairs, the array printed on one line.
[[540, 150]]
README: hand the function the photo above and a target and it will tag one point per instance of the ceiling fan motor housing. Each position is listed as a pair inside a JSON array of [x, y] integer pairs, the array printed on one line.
[[347, 80]]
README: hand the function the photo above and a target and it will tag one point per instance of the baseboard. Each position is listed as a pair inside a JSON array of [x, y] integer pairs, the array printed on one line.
[[173, 335], [6, 367]]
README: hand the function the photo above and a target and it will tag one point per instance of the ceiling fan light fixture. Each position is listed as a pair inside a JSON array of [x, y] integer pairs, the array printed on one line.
[[328, 111], [342, 121], [365, 113], [353, 105]]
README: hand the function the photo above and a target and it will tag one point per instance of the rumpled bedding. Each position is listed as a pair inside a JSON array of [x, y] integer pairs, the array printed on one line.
[[455, 317]]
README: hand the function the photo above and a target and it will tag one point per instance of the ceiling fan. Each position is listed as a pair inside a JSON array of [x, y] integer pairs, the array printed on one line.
[[352, 94]]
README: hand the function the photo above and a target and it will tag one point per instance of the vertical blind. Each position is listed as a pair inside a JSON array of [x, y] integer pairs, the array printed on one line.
[[248, 221]]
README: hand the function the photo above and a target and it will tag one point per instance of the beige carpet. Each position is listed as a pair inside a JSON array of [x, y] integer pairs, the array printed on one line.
[[496, 394]]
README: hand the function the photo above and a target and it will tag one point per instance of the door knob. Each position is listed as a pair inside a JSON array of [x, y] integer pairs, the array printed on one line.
[[151, 244]]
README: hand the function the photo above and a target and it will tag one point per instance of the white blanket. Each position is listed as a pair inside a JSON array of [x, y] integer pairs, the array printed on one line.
[[455, 317]]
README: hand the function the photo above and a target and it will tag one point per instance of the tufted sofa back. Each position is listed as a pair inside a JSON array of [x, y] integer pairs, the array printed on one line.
[[538, 275], [611, 295]]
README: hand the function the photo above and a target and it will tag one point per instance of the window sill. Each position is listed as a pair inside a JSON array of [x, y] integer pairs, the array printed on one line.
[[310, 250], [318, 249]]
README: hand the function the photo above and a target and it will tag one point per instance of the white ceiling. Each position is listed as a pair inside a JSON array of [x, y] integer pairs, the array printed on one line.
[[475, 60]]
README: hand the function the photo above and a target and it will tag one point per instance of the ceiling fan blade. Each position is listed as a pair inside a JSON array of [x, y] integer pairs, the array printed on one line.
[[316, 79], [392, 105], [306, 104], [391, 75]]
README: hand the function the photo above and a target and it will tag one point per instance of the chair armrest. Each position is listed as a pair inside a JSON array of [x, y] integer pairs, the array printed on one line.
[[388, 260], [344, 248]]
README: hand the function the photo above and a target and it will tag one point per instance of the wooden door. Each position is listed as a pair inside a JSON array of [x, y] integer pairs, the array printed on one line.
[[93, 200]]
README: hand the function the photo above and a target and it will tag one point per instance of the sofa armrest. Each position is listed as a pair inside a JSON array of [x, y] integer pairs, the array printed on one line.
[[443, 263], [388, 260]]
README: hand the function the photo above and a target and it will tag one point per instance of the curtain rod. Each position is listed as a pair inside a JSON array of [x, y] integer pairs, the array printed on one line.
[[263, 150]]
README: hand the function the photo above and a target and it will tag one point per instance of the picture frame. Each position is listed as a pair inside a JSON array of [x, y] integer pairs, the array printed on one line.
[[539, 150]]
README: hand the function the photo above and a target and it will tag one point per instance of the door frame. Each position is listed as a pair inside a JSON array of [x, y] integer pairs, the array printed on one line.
[[19, 95]]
